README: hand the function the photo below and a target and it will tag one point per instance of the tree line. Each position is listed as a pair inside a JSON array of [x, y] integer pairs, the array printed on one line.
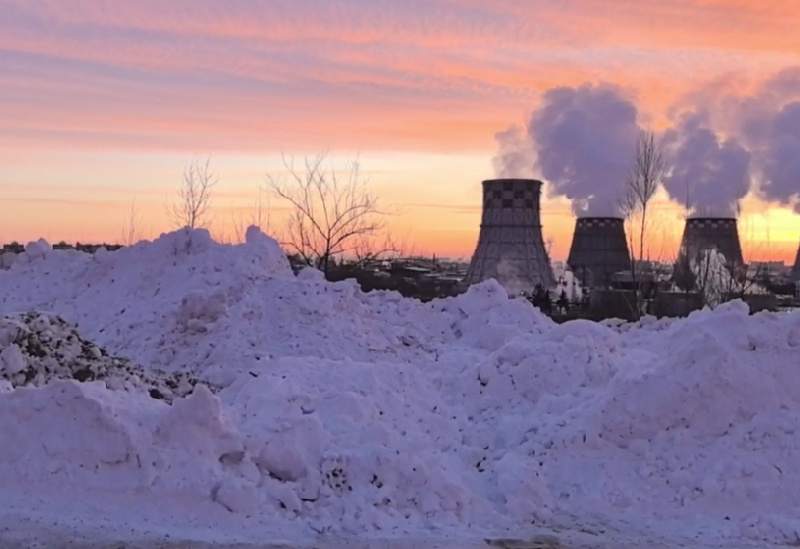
[[332, 212]]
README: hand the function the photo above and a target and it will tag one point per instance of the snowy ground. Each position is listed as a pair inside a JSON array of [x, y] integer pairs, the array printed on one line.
[[182, 390]]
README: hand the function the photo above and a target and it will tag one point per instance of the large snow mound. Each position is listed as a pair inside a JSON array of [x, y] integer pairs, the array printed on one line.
[[308, 407]]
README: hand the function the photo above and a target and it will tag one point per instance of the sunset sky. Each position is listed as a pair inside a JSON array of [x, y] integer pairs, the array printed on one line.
[[102, 102]]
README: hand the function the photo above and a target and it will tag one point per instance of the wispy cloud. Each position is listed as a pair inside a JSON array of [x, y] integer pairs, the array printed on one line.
[[435, 74], [57, 201]]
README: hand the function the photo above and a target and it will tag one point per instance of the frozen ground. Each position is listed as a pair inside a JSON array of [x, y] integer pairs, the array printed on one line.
[[186, 391]]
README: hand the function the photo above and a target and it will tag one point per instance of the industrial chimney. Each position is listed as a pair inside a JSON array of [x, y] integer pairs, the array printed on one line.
[[510, 246], [599, 249], [701, 234]]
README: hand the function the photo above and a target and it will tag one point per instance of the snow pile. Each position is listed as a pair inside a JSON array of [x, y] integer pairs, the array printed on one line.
[[90, 437], [344, 447], [185, 303], [714, 422], [7, 259], [369, 413]]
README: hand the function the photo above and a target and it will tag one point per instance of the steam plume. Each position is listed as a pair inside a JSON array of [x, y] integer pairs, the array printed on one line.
[[581, 141], [770, 124], [584, 139], [515, 157], [710, 174]]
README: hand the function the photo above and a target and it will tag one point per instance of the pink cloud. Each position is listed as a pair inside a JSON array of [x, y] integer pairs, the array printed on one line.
[[252, 74]]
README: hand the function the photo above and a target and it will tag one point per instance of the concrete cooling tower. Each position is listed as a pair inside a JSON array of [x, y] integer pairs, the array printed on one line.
[[510, 247], [704, 233], [599, 249], [701, 234], [796, 269]]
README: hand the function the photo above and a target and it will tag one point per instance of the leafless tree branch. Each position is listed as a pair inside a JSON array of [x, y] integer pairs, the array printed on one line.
[[130, 225], [193, 204], [367, 249], [333, 212], [647, 172]]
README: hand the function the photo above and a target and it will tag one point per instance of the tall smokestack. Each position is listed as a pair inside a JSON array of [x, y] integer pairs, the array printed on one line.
[[702, 234], [510, 246], [599, 249]]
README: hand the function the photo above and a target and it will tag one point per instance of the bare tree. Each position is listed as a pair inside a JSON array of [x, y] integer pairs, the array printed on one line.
[[753, 276], [367, 249], [130, 225], [194, 195], [333, 212], [708, 276], [715, 280], [647, 172]]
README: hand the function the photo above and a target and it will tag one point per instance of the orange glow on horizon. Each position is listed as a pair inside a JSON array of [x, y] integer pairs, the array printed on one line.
[[99, 106], [765, 236]]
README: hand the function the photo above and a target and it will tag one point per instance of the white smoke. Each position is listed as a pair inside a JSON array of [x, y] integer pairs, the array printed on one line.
[[509, 278], [585, 138], [581, 141], [515, 156], [710, 174], [712, 277]]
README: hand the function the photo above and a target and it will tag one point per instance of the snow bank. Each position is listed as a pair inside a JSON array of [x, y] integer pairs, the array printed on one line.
[[185, 303], [293, 403], [7, 259]]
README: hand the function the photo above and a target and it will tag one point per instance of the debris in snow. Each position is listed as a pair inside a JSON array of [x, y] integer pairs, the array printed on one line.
[[37, 347]]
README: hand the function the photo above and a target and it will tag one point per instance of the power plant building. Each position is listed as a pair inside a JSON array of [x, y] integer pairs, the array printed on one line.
[[599, 250], [510, 246]]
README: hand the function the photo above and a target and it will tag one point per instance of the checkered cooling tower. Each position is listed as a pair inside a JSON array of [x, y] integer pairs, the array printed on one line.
[[701, 234], [704, 233], [599, 249], [796, 269], [510, 246]]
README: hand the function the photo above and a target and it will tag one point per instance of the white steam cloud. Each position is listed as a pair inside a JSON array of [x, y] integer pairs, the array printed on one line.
[[515, 157], [710, 175], [581, 142]]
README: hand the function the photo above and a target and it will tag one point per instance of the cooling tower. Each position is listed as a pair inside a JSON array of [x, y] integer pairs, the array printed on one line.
[[510, 247], [704, 233], [599, 249], [701, 234], [796, 269]]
